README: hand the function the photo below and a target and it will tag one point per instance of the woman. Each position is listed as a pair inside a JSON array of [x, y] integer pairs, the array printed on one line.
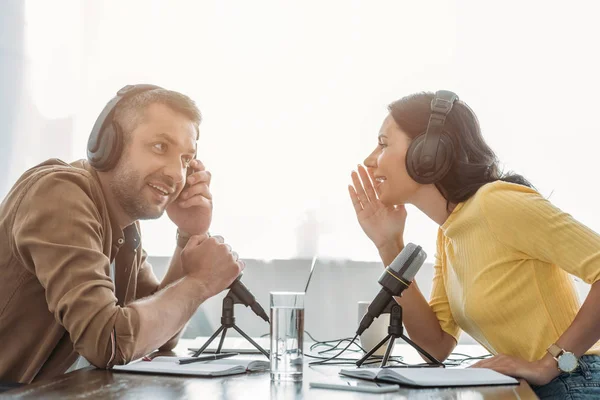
[[503, 251]]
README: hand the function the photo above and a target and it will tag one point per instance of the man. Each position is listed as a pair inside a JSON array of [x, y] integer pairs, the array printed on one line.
[[75, 284]]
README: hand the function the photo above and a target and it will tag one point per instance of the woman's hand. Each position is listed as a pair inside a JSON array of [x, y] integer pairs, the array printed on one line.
[[382, 224], [537, 373]]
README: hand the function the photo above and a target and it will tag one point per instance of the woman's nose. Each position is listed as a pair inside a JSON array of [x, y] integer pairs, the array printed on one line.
[[371, 160]]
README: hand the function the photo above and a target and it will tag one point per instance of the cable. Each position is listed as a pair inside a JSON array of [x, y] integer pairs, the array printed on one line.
[[334, 345], [346, 361], [332, 348], [336, 356], [311, 336], [453, 360], [352, 361], [318, 343], [307, 332]]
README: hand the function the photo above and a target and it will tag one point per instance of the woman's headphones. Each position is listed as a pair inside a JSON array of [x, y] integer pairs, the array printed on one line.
[[106, 140], [430, 155]]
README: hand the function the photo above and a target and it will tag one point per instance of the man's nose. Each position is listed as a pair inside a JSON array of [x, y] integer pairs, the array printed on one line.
[[176, 171]]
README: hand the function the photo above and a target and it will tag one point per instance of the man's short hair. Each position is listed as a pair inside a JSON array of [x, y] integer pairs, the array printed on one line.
[[130, 112]]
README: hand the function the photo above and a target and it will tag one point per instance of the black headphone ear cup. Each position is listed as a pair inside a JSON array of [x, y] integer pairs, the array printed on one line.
[[96, 152], [443, 160], [106, 139], [92, 148], [104, 153], [114, 145]]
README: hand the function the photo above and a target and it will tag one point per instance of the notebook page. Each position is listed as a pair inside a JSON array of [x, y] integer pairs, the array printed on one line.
[[446, 376]]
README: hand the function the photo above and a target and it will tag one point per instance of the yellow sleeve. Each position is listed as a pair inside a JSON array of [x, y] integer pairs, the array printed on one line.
[[521, 218], [439, 298]]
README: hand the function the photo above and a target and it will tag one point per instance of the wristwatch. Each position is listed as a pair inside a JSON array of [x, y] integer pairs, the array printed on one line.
[[567, 361], [181, 239]]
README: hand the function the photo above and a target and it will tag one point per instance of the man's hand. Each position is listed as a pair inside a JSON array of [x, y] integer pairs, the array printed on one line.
[[537, 373], [211, 263], [192, 210]]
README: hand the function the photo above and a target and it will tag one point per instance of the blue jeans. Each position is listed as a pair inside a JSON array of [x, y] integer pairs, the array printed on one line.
[[582, 384]]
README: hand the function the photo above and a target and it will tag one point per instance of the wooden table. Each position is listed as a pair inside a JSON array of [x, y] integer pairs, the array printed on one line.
[[91, 383]]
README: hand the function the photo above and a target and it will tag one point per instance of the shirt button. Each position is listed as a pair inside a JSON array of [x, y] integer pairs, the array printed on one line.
[[120, 241]]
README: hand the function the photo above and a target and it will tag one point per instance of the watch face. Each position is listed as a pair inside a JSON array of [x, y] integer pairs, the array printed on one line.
[[567, 362]]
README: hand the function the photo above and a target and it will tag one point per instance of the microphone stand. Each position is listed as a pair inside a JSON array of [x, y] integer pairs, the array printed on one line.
[[228, 321], [395, 331]]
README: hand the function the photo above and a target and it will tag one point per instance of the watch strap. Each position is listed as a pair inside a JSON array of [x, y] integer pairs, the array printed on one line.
[[554, 350], [182, 239]]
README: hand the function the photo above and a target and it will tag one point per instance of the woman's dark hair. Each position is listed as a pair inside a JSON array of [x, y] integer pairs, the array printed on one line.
[[475, 164]]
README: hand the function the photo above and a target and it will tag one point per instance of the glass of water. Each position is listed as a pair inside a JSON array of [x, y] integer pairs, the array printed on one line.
[[287, 336]]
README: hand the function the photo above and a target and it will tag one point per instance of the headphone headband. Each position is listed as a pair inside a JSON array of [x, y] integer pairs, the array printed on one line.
[[430, 155], [105, 141]]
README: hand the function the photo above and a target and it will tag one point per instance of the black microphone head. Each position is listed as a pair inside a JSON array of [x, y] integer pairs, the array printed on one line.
[[400, 273], [408, 262], [246, 297], [239, 277], [395, 279]]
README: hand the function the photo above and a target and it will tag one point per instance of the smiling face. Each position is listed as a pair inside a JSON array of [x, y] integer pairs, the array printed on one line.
[[152, 169], [387, 166]]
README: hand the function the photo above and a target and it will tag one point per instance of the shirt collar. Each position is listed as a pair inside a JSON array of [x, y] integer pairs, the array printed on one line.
[[130, 234]]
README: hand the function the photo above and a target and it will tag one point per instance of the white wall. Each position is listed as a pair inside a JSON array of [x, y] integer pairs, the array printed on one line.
[[293, 95]]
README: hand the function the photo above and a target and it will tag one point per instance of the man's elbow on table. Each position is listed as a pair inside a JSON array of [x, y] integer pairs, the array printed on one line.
[[113, 344]]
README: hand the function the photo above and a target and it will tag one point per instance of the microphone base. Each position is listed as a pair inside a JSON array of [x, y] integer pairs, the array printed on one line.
[[227, 322], [395, 331]]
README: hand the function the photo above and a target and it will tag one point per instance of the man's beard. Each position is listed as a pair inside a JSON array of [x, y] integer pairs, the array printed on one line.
[[127, 187]]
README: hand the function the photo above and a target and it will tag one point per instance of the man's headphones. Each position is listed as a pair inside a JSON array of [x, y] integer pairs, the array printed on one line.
[[106, 140], [430, 154]]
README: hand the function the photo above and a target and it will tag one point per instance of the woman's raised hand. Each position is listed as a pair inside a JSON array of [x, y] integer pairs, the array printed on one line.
[[382, 224]]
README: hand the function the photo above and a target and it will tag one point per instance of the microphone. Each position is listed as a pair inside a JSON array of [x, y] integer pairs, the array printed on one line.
[[246, 297], [394, 279]]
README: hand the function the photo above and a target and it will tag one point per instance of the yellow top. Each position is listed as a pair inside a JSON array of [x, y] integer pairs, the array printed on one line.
[[501, 270]]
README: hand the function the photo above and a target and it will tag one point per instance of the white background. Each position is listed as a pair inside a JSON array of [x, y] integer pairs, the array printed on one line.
[[293, 95]]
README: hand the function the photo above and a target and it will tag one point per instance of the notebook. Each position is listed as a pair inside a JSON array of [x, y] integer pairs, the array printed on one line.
[[171, 366], [433, 377]]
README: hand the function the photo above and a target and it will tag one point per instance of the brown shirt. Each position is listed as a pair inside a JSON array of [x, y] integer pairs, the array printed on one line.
[[57, 299]]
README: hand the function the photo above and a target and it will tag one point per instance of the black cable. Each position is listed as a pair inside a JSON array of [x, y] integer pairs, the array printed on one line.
[[333, 347], [318, 343], [450, 361], [311, 336], [338, 345], [307, 332], [372, 360], [327, 343], [336, 356], [455, 362]]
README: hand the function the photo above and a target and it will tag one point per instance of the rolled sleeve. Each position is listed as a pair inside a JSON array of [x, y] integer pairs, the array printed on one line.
[[59, 235]]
